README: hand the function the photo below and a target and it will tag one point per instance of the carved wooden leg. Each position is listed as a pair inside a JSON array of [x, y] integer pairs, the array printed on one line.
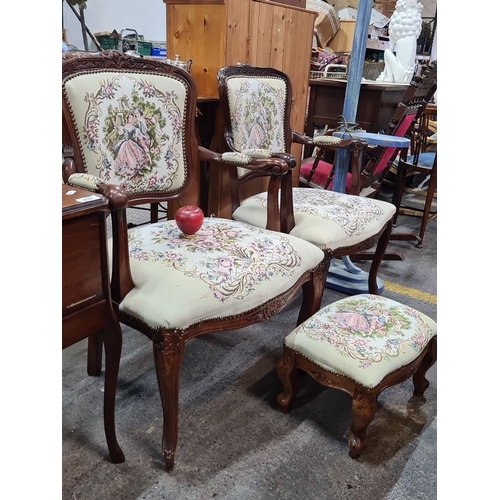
[[287, 373], [312, 292], [113, 349], [377, 259], [94, 354], [168, 351], [399, 186], [419, 381], [431, 189], [364, 407]]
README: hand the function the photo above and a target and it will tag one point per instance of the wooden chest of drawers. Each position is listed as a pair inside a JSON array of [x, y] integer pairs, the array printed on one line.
[[87, 310], [86, 301]]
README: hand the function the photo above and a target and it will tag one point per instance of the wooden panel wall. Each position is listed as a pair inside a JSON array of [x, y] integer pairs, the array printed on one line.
[[196, 32], [259, 32]]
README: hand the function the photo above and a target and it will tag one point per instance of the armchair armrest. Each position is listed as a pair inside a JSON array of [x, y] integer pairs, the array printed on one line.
[[277, 167], [330, 141], [81, 180], [121, 276], [85, 181]]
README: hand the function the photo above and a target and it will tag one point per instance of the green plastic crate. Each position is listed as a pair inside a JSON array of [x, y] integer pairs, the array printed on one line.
[[144, 48], [107, 42]]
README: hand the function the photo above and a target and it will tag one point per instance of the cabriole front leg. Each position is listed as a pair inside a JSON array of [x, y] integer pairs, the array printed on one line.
[[420, 383], [112, 339], [168, 352]]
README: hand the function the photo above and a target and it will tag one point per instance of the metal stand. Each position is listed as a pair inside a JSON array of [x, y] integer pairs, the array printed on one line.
[[349, 279], [85, 27]]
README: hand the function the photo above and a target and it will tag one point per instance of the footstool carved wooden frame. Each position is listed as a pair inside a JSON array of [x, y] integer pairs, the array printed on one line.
[[360, 345]]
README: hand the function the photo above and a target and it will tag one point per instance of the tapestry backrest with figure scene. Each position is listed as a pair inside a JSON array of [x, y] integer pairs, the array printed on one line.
[[257, 113], [131, 127]]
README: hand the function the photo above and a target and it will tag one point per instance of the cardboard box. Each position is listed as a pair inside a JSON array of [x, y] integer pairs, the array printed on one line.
[[377, 44], [376, 19], [327, 24], [343, 4]]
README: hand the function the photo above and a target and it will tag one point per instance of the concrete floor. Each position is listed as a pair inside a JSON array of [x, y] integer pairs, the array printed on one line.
[[234, 443]]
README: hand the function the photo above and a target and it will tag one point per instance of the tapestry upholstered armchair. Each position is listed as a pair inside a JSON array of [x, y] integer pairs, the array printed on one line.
[[131, 124], [256, 105]]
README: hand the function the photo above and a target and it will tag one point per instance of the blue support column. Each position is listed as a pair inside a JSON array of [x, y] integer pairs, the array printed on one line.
[[356, 66], [346, 277]]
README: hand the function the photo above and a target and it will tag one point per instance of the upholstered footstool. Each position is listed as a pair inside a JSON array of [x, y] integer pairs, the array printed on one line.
[[361, 345]]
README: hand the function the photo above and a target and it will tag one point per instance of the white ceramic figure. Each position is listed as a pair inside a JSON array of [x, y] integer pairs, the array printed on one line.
[[404, 29]]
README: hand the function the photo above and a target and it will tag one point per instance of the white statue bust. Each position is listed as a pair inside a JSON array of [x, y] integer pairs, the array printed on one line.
[[405, 26]]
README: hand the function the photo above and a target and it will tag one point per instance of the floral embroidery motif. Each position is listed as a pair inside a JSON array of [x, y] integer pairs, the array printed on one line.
[[368, 329], [231, 259], [351, 213], [133, 134], [257, 115]]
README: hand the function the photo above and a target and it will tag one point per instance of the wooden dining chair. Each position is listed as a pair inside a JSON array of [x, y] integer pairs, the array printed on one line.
[[422, 162], [367, 178], [131, 122]]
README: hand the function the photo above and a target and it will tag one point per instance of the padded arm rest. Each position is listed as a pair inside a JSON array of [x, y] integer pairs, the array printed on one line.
[[276, 164], [329, 142], [85, 181]]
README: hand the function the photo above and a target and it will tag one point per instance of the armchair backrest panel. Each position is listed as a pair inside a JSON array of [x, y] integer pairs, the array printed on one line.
[[256, 103], [131, 123], [257, 107]]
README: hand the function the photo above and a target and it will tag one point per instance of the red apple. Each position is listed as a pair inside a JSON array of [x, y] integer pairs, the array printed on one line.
[[189, 219]]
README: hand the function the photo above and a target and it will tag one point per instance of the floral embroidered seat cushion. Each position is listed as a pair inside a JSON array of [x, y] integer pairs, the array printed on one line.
[[226, 269], [327, 219], [364, 338]]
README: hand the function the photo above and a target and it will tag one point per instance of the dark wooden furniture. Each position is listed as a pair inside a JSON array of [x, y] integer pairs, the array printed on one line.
[[168, 287], [295, 202], [413, 165], [340, 348], [86, 299], [376, 105]]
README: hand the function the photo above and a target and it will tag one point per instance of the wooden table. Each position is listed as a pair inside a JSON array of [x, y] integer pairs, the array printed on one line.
[[87, 310], [376, 105]]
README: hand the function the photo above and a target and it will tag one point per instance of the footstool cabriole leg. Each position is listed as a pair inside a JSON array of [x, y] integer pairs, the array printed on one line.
[[429, 358], [287, 373], [364, 407]]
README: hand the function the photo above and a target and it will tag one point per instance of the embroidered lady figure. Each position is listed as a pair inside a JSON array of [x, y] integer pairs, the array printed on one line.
[[257, 134], [131, 155], [360, 321], [142, 133]]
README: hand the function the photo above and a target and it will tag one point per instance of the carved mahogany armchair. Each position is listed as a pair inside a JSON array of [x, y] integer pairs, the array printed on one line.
[[256, 105], [131, 122]]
